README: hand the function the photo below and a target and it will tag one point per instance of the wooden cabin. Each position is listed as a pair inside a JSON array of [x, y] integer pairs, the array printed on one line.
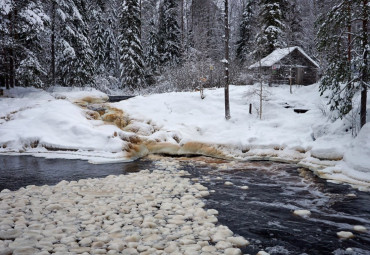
[[284, 63]]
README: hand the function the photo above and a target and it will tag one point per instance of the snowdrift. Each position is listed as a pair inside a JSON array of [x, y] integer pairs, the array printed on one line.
[[76, 123]]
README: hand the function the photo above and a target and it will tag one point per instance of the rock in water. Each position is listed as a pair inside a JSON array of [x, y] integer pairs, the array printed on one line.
[[345, 234], [360, 228], [302, 213]]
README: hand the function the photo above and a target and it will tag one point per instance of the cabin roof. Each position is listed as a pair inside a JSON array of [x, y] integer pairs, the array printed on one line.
[[278, 55]]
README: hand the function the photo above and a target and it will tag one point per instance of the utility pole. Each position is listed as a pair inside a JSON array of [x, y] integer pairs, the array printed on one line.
[[226, 61]]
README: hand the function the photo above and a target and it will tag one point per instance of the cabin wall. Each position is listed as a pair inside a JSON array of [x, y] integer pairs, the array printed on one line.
[[281, 76]]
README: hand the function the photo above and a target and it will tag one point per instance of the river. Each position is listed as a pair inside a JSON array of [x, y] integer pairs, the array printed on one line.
[[254, 199]]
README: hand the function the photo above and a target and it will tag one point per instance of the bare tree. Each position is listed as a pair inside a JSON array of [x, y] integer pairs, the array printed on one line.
[[227, 61]]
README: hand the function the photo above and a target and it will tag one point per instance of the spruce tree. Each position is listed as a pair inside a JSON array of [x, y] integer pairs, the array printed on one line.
[[346, 50], [152, 56], [21, 27], [110, 39], [293, 25], [272, 25], [169, 34], [75, 58], [245, 43], [131, 52], [98, 40]]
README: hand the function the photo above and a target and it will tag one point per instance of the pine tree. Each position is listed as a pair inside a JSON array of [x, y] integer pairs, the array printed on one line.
[[272, 25], [293, 25], [75, 57], [131, 52], [207, 29], [98, 40], [169, 34], [346, 50], [21, 26], [6, 45], [245, 43], [152, 56], [110, 39]]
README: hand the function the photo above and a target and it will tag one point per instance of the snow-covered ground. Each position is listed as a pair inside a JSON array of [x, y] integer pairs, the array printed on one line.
[[71, 123]]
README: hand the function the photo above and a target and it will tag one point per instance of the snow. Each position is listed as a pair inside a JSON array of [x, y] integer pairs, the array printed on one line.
[[278, 55], [5, 7], [142, 212], [65, 123]]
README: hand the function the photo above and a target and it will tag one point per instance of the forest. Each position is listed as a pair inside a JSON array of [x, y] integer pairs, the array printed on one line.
[[151, 46]]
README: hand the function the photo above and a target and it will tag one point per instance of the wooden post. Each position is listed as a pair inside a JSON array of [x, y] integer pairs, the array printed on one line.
[[227, 60], [250, 108]]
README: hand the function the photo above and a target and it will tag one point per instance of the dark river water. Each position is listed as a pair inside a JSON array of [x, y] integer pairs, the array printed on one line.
[[263, 213]]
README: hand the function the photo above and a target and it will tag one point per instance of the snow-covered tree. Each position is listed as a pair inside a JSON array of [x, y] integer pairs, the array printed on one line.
[[343, 41], [271, 22], [169, 34], [74, 57], [293, 25], [152, 55], [207, 30], [131, 52], [98, 39], [246, 32], [21, 27], [110, 39]]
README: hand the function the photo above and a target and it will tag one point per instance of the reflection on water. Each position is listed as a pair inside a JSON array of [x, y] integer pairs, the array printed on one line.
[[263, 213], [20, 171]]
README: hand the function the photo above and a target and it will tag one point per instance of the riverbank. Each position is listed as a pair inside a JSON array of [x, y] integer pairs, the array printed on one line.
[[149, 212], [76, 123]]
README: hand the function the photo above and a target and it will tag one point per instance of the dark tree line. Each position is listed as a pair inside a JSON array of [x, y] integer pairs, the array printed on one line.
[[138, 44]]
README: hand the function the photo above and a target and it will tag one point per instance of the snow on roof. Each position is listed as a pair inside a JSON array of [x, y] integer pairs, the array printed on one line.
[[278, 55]]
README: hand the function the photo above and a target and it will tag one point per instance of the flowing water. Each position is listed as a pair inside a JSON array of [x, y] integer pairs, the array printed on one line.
[[263, 213]]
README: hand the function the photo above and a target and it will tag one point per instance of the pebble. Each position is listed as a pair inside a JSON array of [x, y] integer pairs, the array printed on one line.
[[302, 213], [360, 228], [345, 234], [149, 212]]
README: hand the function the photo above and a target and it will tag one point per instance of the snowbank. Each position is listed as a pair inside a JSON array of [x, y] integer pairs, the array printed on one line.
[[75, 123]]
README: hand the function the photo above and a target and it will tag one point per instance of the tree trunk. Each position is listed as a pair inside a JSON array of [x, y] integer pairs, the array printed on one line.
[[182, 23], [227, 60], [53, 44], [364, 68], [11, 51]]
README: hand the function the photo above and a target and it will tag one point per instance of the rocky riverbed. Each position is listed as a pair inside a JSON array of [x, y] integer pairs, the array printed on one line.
[[149, 212]]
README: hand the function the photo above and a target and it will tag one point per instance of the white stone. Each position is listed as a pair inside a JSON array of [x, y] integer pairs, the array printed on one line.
[[212, 212], [244, 187], [130, 251], [228, 183], [302, 212], [360, 228], [85, 241], [262, 253], [209, 248], [238, 241], [232, 251], [222, 245], [222, 234], [345, 234]]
